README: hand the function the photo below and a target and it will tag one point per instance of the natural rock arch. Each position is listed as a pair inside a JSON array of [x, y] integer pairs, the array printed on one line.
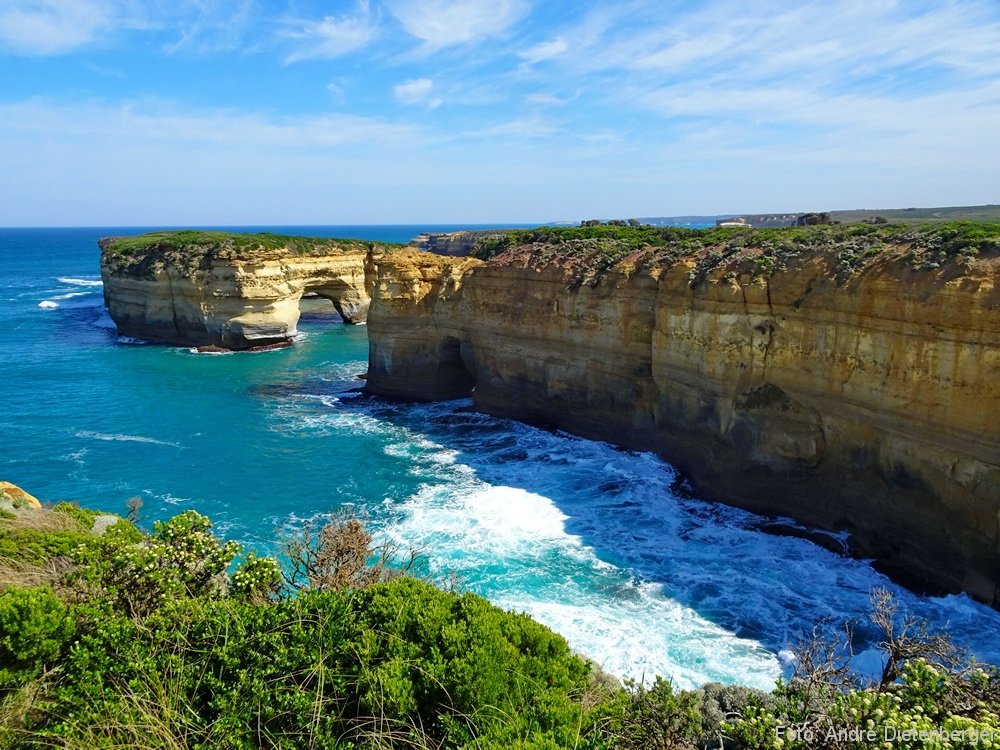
[[212, 295]]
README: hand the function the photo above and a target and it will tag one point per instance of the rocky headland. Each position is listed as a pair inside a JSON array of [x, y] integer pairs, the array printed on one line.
[[455, 243], [847, 377], [229, 291]]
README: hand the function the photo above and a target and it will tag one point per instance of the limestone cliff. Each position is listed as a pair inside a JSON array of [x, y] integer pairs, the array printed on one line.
[[849, 378], [459, 244], [230, 291]]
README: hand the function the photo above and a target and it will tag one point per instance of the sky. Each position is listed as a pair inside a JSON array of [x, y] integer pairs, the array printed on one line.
[[251, 112]]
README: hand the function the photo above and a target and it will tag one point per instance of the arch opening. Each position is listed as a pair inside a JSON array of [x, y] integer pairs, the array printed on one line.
[[350, 303]]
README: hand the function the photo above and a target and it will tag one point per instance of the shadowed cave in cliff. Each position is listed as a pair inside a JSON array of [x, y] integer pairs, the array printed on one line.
[[454, 377]]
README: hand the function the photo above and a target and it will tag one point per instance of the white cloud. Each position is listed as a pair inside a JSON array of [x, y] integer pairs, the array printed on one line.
[[330, 37], [520, 127], [56, 27], [53, 27], [417, 91], [156, 123], [544, 50], [442, 23], [546, 100]]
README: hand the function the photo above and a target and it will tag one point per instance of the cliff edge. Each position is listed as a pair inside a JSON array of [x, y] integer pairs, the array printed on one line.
[[233, 291], [848, 377]]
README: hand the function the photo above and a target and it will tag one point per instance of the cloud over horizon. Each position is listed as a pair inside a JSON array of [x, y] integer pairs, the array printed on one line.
[[595, 109]]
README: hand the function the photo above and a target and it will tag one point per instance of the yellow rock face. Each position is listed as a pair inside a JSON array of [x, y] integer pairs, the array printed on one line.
[[18, 497], [231, 302], [868, 401]]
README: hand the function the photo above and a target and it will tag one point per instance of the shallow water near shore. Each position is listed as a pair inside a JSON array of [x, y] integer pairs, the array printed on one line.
[[591, 540]]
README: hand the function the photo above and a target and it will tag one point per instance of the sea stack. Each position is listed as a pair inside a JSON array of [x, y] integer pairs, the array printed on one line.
[[229, 291]]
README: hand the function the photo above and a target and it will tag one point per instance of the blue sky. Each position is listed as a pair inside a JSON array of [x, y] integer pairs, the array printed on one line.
[[175, 112]]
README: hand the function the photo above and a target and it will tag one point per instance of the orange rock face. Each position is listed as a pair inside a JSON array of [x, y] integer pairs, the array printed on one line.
[[864, 397]]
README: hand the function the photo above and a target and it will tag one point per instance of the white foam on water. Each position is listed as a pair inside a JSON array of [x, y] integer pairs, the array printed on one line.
[[593, 542], [79, 281], [194, 350], [48, 304], [120, 438], [71, 295], [512, 546]]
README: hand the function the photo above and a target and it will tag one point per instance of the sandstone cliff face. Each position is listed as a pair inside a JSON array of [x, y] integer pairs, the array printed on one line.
[[860, 397], [215, 294]]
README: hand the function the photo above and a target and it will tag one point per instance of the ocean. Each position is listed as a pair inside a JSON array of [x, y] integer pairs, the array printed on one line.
[[591, 540]]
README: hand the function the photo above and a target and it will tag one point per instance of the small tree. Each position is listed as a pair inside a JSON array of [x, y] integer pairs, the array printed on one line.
[[341, 554]]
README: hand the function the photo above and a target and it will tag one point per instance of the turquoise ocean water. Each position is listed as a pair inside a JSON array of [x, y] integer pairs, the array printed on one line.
[[587, 538]]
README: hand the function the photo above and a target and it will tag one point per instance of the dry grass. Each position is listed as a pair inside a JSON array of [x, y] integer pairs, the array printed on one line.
[[40, 519], [24, 574]]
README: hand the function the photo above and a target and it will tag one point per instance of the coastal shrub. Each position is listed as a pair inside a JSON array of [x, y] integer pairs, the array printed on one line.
[[83, 517], [256, 578], [653, 718], [928, 694], [465, 668], [166, 643], [37, 546], [138, 574], [35, 626], [928, 708], [398, 663], [340, 554]]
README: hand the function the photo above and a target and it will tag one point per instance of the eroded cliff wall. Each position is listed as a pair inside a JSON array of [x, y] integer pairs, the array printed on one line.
[[853, 388], [230, 291]]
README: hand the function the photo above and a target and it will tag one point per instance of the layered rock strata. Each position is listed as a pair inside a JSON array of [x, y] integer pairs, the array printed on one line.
[[229, 291], [856, 391]]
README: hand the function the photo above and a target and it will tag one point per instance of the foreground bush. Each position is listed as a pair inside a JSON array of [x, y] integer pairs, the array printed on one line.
[[155, 644], [399, 661], [174, 639]]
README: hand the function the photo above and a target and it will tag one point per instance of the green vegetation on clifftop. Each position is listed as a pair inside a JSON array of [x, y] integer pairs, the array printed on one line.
[[175, 639], [592, 250], [201, 241]]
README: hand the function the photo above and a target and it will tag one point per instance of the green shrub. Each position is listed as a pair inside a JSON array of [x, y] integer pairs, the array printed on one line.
[[650, 718], [138, 574], [34, 628], [33, 545], [256, 578], [400, 661], [84, 518]]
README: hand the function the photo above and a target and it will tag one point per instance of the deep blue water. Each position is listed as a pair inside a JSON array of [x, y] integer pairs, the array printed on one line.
[[587, 538]]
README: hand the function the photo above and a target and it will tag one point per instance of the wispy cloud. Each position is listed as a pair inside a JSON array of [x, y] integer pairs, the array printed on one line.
[[203, 27], [546, 100], [331, 36], [593, 102], [53, 27], [521, 127], [152, 122], [544, 50], [442, 23], [417, 91]]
